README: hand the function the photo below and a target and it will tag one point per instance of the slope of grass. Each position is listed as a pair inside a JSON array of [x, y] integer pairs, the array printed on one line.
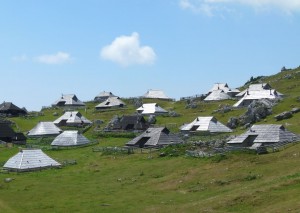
[[145, 182]]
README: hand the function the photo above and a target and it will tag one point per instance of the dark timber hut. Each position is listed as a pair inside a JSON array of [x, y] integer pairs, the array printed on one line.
[[9, 108], [262, 135], [155, 137], [8, 135]]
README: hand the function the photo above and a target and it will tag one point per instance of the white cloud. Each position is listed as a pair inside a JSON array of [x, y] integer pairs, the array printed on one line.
[[58, 58], [208, 7], [126, 50], [20, 58], [196, 7]]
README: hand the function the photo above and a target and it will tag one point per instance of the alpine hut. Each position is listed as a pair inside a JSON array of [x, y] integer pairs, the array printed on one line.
[[156, 94], [44, 129], [151, 109], [102, 96], [155, 137], [68, 101], [9, 108], [72, 118], [264, 134], [254, 95], [70, 138], [128, 123], [29, 160], [217, 95], [221, 91], [8, 135], [111, 102], [205, 124], [133, 122], [254, 87]]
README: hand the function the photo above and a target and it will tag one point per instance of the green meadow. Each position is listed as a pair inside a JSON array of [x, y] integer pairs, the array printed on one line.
[[146, 182]]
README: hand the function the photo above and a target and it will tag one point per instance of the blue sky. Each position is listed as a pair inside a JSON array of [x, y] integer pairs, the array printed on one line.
[[180, 46]]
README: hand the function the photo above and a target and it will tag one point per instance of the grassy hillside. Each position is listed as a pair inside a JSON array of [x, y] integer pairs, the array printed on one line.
[[148, 183], [145, 182]]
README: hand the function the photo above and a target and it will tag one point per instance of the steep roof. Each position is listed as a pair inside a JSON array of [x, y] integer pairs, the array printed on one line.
[[257, 95], [209, 124], [224, 87], [155, 93], [72, 117], [6, 131], [44, 129], [219, 86], [255, 87], [9, 107], [159, 136], [30, 159], [217, 95], [70, 138], [68, 100], [151, 108], [105, 94], [138, 122], [266, 133], [111, 102], [7, 134]]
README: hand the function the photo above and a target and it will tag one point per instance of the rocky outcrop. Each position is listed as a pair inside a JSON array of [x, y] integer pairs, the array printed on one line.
[[233, 122], [191, 104], [283, 116], [287, 114], [256, 111], [152, 119]]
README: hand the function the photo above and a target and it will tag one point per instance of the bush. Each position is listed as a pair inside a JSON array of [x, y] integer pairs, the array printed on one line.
[[175, 150], [218, 158], [114, 135]]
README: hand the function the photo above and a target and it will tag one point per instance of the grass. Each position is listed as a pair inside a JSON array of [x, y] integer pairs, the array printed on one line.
[[140, 182], [134, 183]]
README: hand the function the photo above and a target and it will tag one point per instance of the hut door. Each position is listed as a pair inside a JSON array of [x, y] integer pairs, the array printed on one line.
[[142, 141]]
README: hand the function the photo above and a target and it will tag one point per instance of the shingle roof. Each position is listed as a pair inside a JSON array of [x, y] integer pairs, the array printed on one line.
[[104, 95], [6, 131], [209, 124], [257, 95], [151, 108], [68, 100], [224, 87], [266, 133], [217, 95], [159, 136], [7, 134], [30, 159], [138, 122], [111, 102], [154, 93], [72, 117], [8, 107], [255, 87], [44, 129], [70, 138]]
